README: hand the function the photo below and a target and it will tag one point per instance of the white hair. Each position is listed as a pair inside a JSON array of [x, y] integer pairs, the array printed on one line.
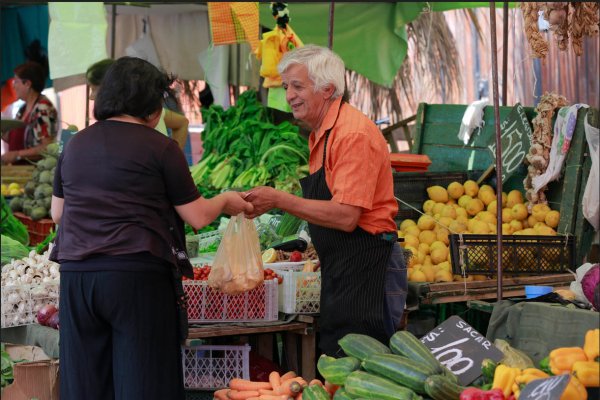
[[323, 65]]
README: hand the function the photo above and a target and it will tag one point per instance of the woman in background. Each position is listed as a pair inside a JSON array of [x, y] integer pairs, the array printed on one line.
[[38, 115]]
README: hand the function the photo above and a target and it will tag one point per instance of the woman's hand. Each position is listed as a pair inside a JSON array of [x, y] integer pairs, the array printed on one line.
[[235, 204]]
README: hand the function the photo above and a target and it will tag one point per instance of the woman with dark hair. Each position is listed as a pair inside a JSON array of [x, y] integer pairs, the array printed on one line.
[[38, 114], [121, 193]]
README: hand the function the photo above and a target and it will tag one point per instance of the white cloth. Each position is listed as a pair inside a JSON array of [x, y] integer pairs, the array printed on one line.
[[564, 127], [215, 62], [472, 118], [144, 48], [76, 37], [591, 194]]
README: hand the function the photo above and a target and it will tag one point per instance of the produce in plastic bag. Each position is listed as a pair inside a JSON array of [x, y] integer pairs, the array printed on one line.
[[238, 263], [513, 357]]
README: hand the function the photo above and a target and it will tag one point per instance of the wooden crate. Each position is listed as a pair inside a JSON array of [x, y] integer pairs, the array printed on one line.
[[20, 174]]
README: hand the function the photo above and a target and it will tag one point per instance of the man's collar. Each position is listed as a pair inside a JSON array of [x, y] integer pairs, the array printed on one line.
[[330, 118]]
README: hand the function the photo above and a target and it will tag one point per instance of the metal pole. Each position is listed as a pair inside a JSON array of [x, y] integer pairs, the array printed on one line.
[[504, 52], [330, 43], [112, 31], [498, 146]]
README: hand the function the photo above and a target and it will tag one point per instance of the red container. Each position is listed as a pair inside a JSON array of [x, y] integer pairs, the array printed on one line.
[[402, 162], [38, 230]]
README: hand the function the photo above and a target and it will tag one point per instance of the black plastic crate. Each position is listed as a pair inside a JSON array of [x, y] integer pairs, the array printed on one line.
[[411, 188], [521, 254]]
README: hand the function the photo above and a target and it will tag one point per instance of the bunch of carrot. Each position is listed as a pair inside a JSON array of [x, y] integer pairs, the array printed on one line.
[[288, 386]]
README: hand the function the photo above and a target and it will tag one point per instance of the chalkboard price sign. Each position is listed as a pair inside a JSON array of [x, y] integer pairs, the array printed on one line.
[[545, 389], [460, 348], [516, 140]]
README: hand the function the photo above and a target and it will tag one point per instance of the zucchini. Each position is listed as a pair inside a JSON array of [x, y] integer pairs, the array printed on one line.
[[341, 394], [335, 370], [361, 346], [315, 392], [399, 369], [439, 387], [361, 384], [406, 344]]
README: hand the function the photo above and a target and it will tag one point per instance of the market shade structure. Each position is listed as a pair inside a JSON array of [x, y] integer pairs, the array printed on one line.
[[369, 36]]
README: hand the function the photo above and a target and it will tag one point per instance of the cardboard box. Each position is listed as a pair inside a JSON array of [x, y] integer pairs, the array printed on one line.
[[35, 378]]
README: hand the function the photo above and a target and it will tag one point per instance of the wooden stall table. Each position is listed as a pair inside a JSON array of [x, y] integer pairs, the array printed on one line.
[[301, 325]]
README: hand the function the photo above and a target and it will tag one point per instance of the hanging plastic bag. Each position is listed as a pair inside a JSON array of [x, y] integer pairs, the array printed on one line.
[[238, 263], [591, 194]]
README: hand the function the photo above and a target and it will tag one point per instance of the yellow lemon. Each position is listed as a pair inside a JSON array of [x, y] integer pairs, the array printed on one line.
[[412, 230], [269, 255], [439, 255], [545, 230], [437, 208], [519, 211], [451, 202], [425, 222], [552, 218], [435, 245], [449, 211], [421, 257], [429, 272], [427, 237], [406, 223], [443, 222], [531, 221], [492, 207], [486, 188], [464, 200], [474, 206], [480, 227], [479, 277], [514, 197], [14, 192], [411, 240], [516, 225], [455, 190], [487, 196], [539, 211], [507, 229], [437, 194], [486, 216], [504, 199], [411, 255], [471, 188], [507, 215], [445, 266], [442, 236], [418, 276], [428, 206], [443, 276], [427, 260], [424, 248], [457, 227], [461, 212], [14, 186]]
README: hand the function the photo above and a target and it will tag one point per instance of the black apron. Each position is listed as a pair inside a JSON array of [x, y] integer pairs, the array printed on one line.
[[353, 267]]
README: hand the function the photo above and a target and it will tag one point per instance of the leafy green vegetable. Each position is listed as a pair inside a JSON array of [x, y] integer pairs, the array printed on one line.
[[6, 376], [11, 249], [11, 226]]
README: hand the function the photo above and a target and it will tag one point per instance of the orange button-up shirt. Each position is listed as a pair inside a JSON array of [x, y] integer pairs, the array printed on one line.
[[357, 166]]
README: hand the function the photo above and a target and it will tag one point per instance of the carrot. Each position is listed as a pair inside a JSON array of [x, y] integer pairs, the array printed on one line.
[[265, 391], [290, 388], [242, 394], [288, 375], [300, 380], [275, 379], [221, 394], [331, 388], [274, 397], [245, 385], [315, 382]]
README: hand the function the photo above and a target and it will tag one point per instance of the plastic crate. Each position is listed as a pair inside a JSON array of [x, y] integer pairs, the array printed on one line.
[[212, 367], [38, 230], [411, 188], [521, 254], [21, 303], [20, 174], [407, 162], [299, 292], [206, 304]]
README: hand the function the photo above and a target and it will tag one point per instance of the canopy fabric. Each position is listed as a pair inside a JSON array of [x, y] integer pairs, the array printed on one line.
[[370, 37]]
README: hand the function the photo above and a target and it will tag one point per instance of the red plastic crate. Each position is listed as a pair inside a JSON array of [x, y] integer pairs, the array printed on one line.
[[38, 230], [406, 162], [206, 304]]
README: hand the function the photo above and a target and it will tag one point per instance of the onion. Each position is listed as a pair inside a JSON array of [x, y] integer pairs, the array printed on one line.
[[589, 282], [45, 313], [53, 321]]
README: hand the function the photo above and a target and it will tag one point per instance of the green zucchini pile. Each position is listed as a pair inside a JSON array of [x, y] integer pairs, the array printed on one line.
[[405, 370]]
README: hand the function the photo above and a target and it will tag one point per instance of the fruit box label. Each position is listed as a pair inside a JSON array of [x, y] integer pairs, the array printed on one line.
[[460, 348]]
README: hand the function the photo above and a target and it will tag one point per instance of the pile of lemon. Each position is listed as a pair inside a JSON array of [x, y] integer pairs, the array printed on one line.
[[12, 189], [468, 209]]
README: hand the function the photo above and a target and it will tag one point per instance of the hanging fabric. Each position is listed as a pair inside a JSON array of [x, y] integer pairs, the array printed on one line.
[[234, 22], [144, 47]]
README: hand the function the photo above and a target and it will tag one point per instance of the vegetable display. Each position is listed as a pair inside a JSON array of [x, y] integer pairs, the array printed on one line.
[[11, 226], [244, 149]]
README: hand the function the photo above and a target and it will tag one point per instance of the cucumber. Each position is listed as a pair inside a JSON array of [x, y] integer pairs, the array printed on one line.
[[361, 346], [335, 370], [315, 392], [399, 369], [341, 394], [361, 384], [406, 344], [439, 387]]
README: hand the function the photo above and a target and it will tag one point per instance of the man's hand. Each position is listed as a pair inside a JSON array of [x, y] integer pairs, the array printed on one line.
[[9, 157], [263, 198]]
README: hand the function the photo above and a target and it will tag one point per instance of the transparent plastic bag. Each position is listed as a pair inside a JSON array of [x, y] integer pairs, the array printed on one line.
[[238, 263]]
